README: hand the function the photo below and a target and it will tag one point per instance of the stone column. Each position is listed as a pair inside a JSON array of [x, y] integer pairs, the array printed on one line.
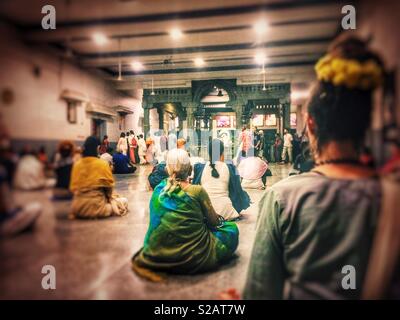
[[239, 115], [146, 119], [160, 118], [190, 107]]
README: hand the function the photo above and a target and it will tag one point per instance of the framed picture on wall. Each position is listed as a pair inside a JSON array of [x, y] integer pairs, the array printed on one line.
[[223, 121], [270, 120], [258, 120]]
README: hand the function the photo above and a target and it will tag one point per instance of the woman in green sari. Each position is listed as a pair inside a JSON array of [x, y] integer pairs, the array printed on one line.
[[185, 234]]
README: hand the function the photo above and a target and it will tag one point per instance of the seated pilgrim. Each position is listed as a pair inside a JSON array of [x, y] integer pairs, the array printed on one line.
[[107, 157], [159, 172], [92, 183], [185, 234], [253, 171], [63, 168], [311, 225], [29, 174], [222, 183], [122, 163]]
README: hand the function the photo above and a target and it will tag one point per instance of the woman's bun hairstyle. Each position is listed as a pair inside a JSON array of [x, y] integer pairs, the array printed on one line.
[[341, 101]]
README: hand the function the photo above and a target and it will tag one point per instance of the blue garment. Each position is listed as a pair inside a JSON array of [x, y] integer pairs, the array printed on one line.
[[158, 174], [240, 199], [121, 164]]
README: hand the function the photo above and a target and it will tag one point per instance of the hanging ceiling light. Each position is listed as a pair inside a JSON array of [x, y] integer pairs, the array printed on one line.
[[260, 58], [100, 38], [176, 33], [261, 27], [199, 62], [137, 66]]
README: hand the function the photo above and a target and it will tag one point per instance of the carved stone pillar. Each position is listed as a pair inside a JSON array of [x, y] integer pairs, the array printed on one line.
[[160, 118], [190, 109], [146, 119], [239, 115]]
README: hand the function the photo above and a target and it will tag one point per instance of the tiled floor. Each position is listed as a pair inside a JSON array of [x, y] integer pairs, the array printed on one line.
[[92, 257]]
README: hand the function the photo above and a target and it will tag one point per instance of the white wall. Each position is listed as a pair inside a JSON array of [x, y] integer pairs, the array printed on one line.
[[37, 112]]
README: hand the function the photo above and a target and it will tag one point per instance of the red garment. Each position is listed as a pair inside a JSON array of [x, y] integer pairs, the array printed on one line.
[[134, 146], [245, 139], [104, 146], [134, 142]]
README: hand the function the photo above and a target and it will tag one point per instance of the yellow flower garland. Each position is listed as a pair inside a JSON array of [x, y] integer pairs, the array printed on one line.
[[349, 72]]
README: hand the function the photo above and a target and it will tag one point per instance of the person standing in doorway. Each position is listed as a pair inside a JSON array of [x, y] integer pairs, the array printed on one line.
[[287, 146]]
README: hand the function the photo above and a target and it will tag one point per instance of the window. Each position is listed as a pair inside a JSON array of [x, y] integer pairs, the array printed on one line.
[[72, 112], [258, 120]]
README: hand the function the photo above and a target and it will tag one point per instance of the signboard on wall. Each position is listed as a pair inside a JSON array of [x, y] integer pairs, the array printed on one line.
[[223, 121], [270, 120], [258, 120]]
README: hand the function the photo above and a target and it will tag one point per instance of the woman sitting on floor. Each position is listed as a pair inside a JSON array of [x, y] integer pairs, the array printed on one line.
[[222, 183], [92, 183], [253, 171], [63, 168], [312, 225], [29, 174], [185, 234], [122, 164]]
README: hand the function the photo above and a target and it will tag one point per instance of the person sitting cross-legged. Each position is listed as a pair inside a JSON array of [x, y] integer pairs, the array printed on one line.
[[122, 164], [63, 168], [92, 184], [222, 182], [253, 171], [185, 234]]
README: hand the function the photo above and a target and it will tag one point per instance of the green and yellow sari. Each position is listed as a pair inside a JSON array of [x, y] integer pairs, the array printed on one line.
[[185, 234]]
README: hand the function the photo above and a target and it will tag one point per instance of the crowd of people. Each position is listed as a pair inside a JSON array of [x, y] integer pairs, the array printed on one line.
[[309, 225]]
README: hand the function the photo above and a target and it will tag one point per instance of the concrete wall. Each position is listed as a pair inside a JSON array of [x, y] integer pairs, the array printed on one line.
[[37, 115]]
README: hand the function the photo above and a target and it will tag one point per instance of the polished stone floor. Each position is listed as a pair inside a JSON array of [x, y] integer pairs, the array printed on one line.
[[92, 257]]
